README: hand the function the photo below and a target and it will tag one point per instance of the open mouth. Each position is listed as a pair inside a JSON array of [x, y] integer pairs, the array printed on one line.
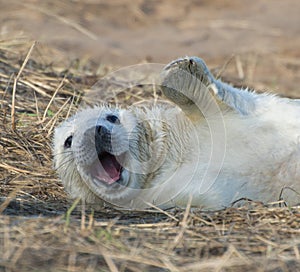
[[107, 168]]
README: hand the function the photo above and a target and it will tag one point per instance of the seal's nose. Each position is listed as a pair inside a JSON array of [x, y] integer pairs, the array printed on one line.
[[102, 133], [103, 139]]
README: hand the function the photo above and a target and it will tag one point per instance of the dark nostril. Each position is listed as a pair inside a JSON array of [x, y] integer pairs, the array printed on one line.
[[102, 131], [113, 119]]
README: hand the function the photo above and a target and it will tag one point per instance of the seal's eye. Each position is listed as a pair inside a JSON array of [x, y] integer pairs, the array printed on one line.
[[68, 142], [113, 119]]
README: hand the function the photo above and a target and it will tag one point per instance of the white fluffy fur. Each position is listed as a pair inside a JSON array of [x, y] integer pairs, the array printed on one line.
[[261, 158]]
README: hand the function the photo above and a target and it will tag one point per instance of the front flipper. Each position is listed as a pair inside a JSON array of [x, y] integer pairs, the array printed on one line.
[[189, 83]]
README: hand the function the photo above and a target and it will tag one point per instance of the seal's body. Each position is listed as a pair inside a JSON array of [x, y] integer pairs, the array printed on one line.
[[218, 145]]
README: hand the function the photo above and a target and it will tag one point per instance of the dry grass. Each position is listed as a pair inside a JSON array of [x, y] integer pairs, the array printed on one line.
[[40, 231]]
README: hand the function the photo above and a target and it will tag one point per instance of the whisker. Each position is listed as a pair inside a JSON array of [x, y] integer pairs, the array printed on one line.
[[64, 163], [62, 153]]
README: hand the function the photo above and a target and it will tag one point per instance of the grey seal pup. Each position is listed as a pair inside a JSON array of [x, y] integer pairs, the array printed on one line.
[[214, 145]]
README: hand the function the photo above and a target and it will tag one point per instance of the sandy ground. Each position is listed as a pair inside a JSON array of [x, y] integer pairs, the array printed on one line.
[[265, 35]]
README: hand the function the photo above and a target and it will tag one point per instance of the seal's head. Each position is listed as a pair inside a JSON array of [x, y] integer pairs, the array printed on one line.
[[105, 153]]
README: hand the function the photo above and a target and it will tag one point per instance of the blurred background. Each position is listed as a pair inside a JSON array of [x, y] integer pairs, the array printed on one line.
[[257, 41]]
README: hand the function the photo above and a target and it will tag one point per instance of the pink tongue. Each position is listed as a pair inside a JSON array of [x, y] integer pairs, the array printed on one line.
[[108, 169]]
